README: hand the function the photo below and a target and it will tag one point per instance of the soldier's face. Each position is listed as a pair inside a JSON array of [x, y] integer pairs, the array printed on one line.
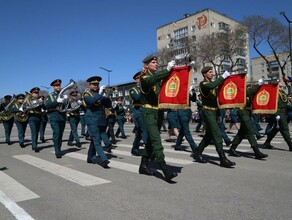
[[152, 66], [57, 88], [94, 86], [209, 75]]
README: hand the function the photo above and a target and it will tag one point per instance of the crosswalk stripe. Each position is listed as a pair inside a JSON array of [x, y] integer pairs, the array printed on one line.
[[72, 175], [18, 212], [113, 163], [14, 190]]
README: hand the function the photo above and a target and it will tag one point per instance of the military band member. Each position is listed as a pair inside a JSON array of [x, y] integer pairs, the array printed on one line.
[[280, 120], [208, 90], [120, 116], [140, 130], [74, 119], [44, 121], [150, 84], [96, 120], [8, 119], [57, 118], [20, 118], [35, 106], [246, 129]]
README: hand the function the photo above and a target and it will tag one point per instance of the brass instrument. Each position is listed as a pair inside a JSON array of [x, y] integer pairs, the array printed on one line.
[[64, 106], [23, 115], [74, 105], [34, 103], [7, 114]]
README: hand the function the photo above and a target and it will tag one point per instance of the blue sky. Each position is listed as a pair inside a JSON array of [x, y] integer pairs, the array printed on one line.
[[42, 40]]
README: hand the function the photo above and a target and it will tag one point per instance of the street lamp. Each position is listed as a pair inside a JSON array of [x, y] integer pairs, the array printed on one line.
[[290, 53], [47, 88], [108, 75]]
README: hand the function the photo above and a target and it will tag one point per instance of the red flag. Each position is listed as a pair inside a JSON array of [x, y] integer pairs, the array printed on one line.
[[174, 93], [266, 99], [231, 94]]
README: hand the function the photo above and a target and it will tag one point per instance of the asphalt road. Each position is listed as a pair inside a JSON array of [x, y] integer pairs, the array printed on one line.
[[39, 186]]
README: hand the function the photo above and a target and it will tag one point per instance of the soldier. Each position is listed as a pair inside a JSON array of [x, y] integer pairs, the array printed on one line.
[[184, 116], [280, 120], [20, 118], [150, 84], [246, 129], [96, 120], [120, 116], [74, 119], [140, 130], [200, 107], [208, 89], [44, 121], [173, 124], [57, 118], [35, 106], [8, 119]]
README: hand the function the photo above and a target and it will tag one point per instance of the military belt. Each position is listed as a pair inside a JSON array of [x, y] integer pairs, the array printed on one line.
[[210, 108], [150, 106]]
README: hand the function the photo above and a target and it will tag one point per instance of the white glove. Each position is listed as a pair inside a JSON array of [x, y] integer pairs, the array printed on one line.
[[278, 117], [101, 89], [60, 100], [193, 62], [192, 87], [65, 96], [79, 102], [225, 74], [260, 82], [20, 109], [6, 108], [170, 65]]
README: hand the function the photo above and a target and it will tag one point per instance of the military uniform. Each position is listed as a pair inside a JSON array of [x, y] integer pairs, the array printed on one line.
[[184, 116], [57, 119], [96, 121], [280, 125], [35, 117], [150, 84], [140, 130], [120, 116], [208, 90], [74, 119], [20, 124], [44, 121], [246, 129], [7, 121]]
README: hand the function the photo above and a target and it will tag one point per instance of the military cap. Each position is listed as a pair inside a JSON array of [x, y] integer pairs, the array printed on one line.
[[20, 96], [56, 82], [94, 79], [149, 58], [120, 98], [206, 69], [136, 75], [7, 97], [35, 90], [74, 93]]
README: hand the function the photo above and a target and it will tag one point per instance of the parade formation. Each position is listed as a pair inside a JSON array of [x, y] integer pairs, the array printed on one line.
[[97, 112]]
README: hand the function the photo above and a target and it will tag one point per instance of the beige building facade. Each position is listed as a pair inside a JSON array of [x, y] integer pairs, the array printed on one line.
[[193, 26]]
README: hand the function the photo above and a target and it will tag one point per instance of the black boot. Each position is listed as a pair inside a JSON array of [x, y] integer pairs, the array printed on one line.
[[232, 151], [143, 169], [224, 162], [168, 175], [267, 145], [197, 155], [290, 145], [257, 153]]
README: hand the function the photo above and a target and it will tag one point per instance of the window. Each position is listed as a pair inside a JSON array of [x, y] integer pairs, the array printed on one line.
[[224, 26], [180, 33], [193, 28], [127, 92]]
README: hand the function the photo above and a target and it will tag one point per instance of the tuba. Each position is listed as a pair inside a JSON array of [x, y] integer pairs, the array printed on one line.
[[23, 116], [5, 115], [64, 106]]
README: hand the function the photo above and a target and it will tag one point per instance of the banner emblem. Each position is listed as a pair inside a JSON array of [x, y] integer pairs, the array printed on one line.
[[230, 91], [172, 86], [263, 97]]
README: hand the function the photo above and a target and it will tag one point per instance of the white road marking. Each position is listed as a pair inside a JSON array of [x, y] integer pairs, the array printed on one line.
[[75, 176]]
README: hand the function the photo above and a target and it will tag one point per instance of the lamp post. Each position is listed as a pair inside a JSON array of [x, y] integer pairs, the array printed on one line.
[[290, 46], [108, 75], [47, 88]]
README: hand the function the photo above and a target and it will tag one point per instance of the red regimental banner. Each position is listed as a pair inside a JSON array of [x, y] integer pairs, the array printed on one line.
[[266, 99], [174, 93], [231, 94]]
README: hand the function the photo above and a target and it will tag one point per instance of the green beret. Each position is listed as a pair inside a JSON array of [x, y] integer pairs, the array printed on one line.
[[149, 58], [94, 79], [20, 96], [7, 97], [136, 75], [56, 82], [35, 90], [206, 69]]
